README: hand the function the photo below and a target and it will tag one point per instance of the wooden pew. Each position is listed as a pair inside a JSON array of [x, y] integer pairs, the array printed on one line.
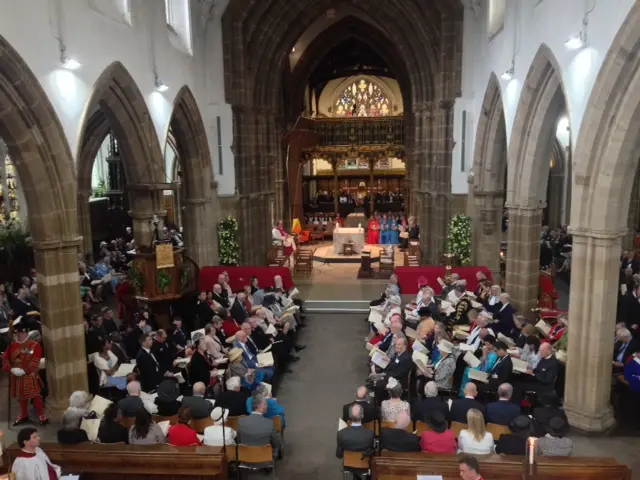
[[406, 466], [136, 462]]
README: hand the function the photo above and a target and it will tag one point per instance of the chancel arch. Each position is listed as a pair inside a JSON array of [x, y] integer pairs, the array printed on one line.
[[258, 38], [606, 160], [37, 144], [542, 102], [198, 190], [117, 105], [489, 176]]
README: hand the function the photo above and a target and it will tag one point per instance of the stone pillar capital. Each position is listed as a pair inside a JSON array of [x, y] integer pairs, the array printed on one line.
[[65, 243], [581, 234], [526, 210]]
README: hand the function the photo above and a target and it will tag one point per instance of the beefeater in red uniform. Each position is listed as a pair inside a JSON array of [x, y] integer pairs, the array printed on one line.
[[22, 360]]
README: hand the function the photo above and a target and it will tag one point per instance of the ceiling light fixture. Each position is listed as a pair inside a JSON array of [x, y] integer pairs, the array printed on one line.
[[159, 86], [508, 74], [576, 41], [293, 50]]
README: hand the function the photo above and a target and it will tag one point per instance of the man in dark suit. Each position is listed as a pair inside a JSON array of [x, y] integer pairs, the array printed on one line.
[[118, 348], [238, 311], [504, 315], [369, 411], [461, 406], [255, 430], [501, 370], [200, 406], [431, 402], [398, 439], [629, 310], [355, 438], [234, 398], [204, 313], [541, 379], [162, 352], [108, 322], [503, 411], [132, 403], [151, 373], [401, 363], [220, 296]]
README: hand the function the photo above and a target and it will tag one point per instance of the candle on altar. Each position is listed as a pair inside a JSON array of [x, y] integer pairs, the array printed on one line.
[[532, 449]]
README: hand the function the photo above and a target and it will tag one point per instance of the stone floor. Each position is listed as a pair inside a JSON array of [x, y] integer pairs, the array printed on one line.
[[327, 376]]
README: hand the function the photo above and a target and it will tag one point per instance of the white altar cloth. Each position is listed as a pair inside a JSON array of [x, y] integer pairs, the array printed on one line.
[[344, 235]]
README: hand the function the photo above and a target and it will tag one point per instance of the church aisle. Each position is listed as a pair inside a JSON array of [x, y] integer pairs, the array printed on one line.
[[326, 377]]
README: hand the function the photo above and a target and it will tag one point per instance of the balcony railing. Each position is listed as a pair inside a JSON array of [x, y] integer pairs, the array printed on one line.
[[360, 131]]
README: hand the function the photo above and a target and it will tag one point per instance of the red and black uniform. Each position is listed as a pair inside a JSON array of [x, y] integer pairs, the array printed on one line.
[[25, 356]]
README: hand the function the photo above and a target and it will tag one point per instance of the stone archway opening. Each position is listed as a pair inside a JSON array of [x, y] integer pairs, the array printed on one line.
[[116, 111], [262, 88], [36, 142], [542, 103], [606, 161]]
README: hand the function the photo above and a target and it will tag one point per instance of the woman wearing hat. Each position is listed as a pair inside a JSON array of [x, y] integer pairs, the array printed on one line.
[[439, 439], [515, 443], [237, 368], [167, 399], [488, 360], [554, 443], [551, 407], [217, 434], [442, 371]]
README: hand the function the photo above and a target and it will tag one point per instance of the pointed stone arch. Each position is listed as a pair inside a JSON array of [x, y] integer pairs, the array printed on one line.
[[489, 170], [38, 145], [200, 199], [605, 163], [117, 104], [541, 103]]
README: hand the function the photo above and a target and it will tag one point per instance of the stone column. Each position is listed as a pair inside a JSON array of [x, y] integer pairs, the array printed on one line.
[[523, 256], [62, 326], [200, 220], [487, 231], [84, 223], [594, 283]]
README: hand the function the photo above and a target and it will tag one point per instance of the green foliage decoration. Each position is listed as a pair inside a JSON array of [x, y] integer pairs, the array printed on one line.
[[137, 279], [164, 280], [459, 238], [228, 245]]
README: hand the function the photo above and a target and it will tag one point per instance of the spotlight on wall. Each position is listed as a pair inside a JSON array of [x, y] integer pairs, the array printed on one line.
[[508, 74], [293, 50], [65, 60], [576, 41], [158, 85]]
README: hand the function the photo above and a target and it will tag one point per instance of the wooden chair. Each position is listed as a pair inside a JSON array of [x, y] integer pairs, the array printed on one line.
[[497, 430], [8, 476], [371, 426], [457, 427], [255, 458], [422, 427], [356, 461], [232, 422], [202, 423], [173, 419]]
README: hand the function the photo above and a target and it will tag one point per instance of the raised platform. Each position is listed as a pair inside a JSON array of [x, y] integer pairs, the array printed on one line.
[[324, 254]]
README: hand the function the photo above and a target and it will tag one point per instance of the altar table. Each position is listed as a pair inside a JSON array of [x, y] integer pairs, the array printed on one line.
[[344, 235]]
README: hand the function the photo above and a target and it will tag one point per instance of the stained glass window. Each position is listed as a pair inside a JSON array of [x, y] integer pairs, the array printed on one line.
[[362, 99]]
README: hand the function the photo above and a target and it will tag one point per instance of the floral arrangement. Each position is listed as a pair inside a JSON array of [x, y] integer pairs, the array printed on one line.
[[459, 238], [137, 280], [228, 246]]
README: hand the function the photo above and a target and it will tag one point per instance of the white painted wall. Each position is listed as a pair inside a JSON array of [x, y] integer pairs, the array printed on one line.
[[527, 25], [99, 32]]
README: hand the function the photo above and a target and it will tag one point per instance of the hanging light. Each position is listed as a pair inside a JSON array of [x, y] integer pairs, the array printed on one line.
[[159, 86], [65, 60], [508, 74], [576, 42]]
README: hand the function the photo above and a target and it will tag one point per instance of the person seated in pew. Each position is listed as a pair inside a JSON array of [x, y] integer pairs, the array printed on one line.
[[256, 430], [554, 443], [503, 411], [144, 431], [110, 430], [441, 372], [400, 364], [391, 408], [219, 434], [167, 399], [623, 349], [273, 407], [355, 438], [439, 439], [469, 468], [71, 433], [369, 411], [200, 406], [132, 403], [250, 355], [215, 349], [515, 443], [475, 439], [501, 370], [487, 361], [492, 302], [540, 379], [151, 372], [234, 398], [398, 439], [480, 331], [550, 407], [202, 368], [530, 351], [504, 315], [461, 406], [181, 434], [237, 367], [432, 401], [525, 331], [31, 463]]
